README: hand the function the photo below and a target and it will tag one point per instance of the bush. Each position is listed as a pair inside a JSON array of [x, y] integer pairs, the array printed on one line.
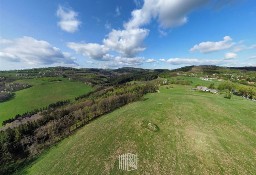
[[226, 86], [211, 86], [4, 96], [228, 95]]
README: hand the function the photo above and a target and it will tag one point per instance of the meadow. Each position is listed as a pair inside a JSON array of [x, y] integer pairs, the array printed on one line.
[[199, 133], [43, 92]]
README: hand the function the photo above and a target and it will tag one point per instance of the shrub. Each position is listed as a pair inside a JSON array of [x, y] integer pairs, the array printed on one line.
[[228, 95], [226, 86], [4, 96], [211, 86]]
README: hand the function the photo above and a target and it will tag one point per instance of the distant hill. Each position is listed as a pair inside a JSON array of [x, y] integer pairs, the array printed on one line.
[[122, 70], [244, 68], [211, 69]]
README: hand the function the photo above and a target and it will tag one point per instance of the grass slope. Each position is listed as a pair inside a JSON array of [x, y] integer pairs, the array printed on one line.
[[200, 133], [44, 92]]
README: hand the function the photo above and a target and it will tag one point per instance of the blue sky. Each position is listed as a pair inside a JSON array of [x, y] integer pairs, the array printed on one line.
[[117, 33]]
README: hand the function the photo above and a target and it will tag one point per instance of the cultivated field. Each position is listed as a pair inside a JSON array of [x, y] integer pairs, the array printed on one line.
[[199, 133], [43, 92]]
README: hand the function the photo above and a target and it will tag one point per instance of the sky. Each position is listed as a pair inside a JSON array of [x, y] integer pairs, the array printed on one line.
[[111, 34]]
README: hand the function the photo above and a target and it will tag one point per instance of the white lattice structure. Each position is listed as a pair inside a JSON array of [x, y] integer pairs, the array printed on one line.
[[128, 162]]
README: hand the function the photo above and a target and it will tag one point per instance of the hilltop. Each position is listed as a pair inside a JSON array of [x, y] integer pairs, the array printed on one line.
[[198, 134]]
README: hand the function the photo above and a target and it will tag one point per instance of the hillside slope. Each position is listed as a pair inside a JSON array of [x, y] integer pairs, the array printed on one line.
[[43, 92], [199, 133]]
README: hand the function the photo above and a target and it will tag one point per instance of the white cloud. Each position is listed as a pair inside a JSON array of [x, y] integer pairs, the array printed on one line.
[[209, 46], [108, 25], [150, 60], [101, 53], [252, 57], [118, 61], [168, 13], [68, 19], [252, 46], [126, 42], [239, 47], [92, 50], [162, 33], [121, 46], [124, 61], [33, 52], [178, 61], [5, 41], [230, 55], [194, 61], [118, 13], [137, 3]]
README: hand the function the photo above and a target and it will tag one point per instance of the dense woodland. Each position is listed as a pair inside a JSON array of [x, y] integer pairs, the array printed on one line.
[[26, 135]]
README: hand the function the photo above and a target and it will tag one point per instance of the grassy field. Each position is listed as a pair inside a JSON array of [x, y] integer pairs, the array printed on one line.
[[199, 133], [196, 81], [43, 92]]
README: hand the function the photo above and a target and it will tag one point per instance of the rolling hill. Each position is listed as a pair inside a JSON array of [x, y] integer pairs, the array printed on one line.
[[43, 92], [199, 133]]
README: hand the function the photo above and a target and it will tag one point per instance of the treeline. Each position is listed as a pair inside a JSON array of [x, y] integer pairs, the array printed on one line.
[[28, 140], [89, 93], [4, 96], [7, 89], [135, 76], [33, 112], [240, 90], [12, 87]]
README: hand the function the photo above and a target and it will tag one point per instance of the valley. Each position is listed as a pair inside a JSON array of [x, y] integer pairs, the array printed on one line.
[[193, 120]]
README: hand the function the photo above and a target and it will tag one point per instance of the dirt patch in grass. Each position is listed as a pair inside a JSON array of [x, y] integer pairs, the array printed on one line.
[[150, 125]]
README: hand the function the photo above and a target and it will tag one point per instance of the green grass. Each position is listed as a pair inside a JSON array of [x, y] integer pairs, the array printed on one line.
[[43, 92], [197, 81], [199, 133]]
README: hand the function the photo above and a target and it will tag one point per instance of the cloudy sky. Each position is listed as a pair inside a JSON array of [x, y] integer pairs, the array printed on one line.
[[117, 33]]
